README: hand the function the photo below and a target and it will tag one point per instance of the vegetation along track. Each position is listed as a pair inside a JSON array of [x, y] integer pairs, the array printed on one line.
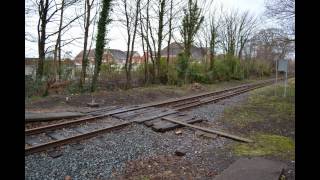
[[45, 137]]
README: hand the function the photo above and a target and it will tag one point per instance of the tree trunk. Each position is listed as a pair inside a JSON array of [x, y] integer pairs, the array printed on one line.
[[59, 39], [149, 49], [161, 14], [100, 43], [84, 55], [59, 60], [55, 55], [133, 41], [169, 40], [212, 59], [43, 11], [128, 78], [143, 49]]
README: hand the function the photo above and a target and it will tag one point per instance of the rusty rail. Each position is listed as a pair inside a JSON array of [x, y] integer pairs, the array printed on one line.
[[118, 111], [52, 144], [37, 148]]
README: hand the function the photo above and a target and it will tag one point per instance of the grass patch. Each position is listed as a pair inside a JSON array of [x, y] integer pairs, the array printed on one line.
[[265, 104], [33, 98], [267, 117], [143, 178], [266, 144], [243, 117]]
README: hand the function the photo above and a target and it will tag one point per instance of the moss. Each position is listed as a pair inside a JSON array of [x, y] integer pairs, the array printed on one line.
[[35, 98], [243, 116], [143, 178], [266, 144]]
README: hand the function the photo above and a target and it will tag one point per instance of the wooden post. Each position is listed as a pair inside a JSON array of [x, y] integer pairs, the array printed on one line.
[[209, 130]]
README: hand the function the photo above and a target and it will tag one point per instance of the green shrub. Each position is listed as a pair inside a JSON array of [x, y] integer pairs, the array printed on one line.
[[33, 87], [173, 78], [182, 65], [197, 73], [221, 71], [163, 70]]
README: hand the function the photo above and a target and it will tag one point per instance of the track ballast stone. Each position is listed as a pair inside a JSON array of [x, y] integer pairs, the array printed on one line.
[[212, 111], [108, 153]]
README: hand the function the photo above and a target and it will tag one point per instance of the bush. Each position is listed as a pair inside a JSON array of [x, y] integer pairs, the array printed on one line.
[[108, 69], [33, 87], [197, 73], [221, 71], [182, 65], [163, 70], [173, 78]]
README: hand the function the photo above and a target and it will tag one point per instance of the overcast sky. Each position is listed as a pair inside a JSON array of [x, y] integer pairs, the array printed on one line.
[[117, 33]]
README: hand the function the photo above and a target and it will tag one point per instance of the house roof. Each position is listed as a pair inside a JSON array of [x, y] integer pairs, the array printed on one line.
[[135, 53], [176, 48], [118, 54], [115, 53]]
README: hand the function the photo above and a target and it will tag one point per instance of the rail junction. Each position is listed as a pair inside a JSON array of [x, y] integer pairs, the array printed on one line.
[[160, 116]]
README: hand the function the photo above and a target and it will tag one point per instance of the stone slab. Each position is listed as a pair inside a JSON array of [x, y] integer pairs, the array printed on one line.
[[163, 125], [54, 153], [252, 169], [47, 116], [55, 135], [93, 104], [158, 115]]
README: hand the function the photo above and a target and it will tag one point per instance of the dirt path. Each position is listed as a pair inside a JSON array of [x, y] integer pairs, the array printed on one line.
[[133, 96]]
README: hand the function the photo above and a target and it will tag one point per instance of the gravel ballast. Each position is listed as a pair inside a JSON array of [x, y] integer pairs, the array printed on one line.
[[108, 153]]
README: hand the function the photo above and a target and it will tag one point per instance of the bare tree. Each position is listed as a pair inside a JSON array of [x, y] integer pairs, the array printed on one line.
[[283, 11], [247, 25], [58, 43], [228, 34], [213, 36], [238, 27], [57, 48], [47, 12], [158, 25], [162, 4], [191, 23], [43, 8], [147, 36], [131, 24], [145, 54], [87, 22], [169, 38], [270, 45]]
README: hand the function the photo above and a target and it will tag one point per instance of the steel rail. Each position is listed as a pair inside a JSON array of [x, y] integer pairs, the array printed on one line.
[[117, 111], [56, 143]]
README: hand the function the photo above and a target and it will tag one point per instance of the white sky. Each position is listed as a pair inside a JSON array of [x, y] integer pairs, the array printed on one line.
[[116, 33]]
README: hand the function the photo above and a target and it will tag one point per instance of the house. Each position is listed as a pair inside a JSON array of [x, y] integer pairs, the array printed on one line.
[[30, 65], [136, 58], [110, 55], [197, 53]]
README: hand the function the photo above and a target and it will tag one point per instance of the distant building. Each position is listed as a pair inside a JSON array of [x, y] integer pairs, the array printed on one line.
[[31, 65], [176, 48], [110, 55]]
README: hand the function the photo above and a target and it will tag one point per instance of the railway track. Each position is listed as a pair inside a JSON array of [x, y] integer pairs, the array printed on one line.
[[107, 119]]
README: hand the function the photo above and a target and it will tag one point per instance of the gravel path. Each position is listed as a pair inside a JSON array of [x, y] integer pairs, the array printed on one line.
[[106, 154]]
